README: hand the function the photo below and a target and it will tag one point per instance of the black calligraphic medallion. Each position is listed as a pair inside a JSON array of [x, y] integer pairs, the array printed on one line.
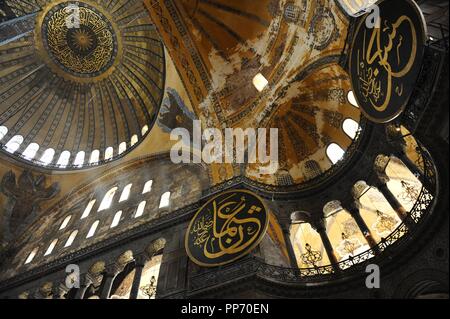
[[385, 62], [226, 228]]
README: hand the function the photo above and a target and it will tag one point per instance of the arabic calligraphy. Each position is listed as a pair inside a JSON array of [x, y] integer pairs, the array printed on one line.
[[226, 228], [385, 61], [86, 50]]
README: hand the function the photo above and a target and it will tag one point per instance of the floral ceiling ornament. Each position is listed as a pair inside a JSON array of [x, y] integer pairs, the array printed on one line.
[[24, 197]]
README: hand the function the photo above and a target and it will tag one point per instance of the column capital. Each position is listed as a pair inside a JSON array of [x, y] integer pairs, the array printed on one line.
[[141, 259], [113, 269], [318, 225]]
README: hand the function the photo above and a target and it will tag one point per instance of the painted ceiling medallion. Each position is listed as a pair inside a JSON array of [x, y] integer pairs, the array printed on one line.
[[85, 49]]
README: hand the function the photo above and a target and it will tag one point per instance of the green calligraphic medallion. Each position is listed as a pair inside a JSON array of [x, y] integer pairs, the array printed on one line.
[[228, 227], [385, 62]]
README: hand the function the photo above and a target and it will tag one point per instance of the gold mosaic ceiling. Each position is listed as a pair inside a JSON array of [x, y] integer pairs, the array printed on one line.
[[219, 46], [85, 87]]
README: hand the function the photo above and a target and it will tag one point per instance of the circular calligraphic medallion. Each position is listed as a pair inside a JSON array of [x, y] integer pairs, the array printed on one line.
[[228, 227], [385, 62], [78, 40]]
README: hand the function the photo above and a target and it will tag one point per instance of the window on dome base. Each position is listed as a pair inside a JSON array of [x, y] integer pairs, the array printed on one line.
[[335, 153]]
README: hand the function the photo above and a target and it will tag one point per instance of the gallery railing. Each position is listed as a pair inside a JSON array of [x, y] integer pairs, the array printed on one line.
[[345, 269]]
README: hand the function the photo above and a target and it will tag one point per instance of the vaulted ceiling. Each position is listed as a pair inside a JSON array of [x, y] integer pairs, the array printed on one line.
[[82, 89]]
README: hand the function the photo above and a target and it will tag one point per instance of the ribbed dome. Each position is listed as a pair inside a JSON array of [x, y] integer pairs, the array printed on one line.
[[75, 95]]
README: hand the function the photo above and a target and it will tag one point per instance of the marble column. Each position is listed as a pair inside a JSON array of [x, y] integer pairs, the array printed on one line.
[[84, 285], [412, 167], [140, 261], [111, 272], [354, 211], [290, 250], [320, 227], [56, 291]]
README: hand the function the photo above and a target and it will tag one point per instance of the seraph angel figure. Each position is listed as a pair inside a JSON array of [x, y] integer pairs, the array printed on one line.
[[24, 197]]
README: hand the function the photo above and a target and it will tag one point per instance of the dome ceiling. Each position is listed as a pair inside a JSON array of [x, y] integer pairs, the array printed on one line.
[[221, 47], [88, 93]]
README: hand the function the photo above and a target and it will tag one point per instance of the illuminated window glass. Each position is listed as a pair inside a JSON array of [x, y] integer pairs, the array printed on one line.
[[351, 99], [88, 209], [3, 131], [140, 209], [116, 219], [30, 151], [144, 130], [165, 200], [122, 147], [109, 152], [95, 155], [350, 128], [125, 193], [107, 199], [65, 222], [31, 255], [51, 247], [47, 157], [335, 153], [14, 143], [134, 140], [92, 229], [260, 82], [64, 159], [79, 159], [71, 238], [147, 187]]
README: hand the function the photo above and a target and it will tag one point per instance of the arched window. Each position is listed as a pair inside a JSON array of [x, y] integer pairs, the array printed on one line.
[[351, 99], [14, 143], [335, 153], [92, 229], [260, 82], [308, 247], [107, 200], [134, 139], [165, 200], [109, 153], [30, 151], [65, 222], [125, 193], [3, 131], [47, 157], [63, 159], [31, 255], [71, 238], [79, 159], [345, 235], [350, 128], [122, 147], [88, 209], [116, 219], [144, 130], [95, 155], [140, 209], [147, 187], [51, 247]]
